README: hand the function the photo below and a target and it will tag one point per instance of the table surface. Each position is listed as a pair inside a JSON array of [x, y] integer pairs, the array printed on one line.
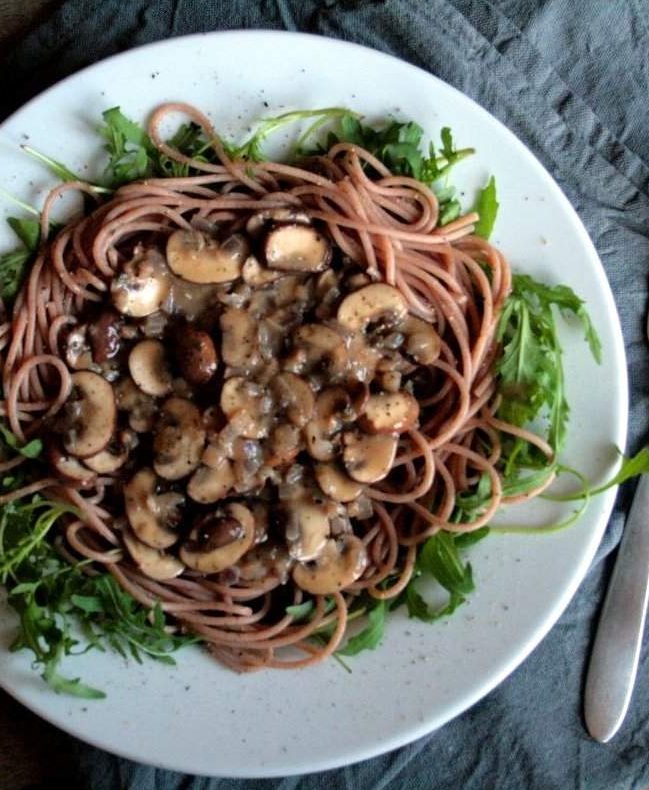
[[32, 753]]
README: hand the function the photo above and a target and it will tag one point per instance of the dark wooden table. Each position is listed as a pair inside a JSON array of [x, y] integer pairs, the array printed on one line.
[[33, 754]]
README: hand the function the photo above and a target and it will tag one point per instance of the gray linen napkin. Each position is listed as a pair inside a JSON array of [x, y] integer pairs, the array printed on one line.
[[570, 78]]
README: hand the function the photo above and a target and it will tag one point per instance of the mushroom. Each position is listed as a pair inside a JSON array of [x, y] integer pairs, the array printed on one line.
[[151, 516], [245, 401], [307, 527], [256, 275], [390, 380], [195, 354], [141, 408], [147, 365], [154, 563], [284, 444], [388, 412], [114, 456], [94, 413], [210, 483], [374, 303], [256, 222], [293, 397], [296, 247], [219, 539], [77, 351], [142, 286], [69, 468], [333, 407], [195, 257], [179, 438], [338, 565], [105, 336], [368, 458], [317, 348], [239, 338], [336, 484], [423, 343]]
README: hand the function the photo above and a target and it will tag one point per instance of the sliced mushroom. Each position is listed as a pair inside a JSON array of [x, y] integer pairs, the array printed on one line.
[[152, 516], [368, 458], [69, 468], [114, 456], [142, 286], [340, 563], [296, 247], [317, 348], [195, 354], [93, 405], [284, 444], [293, 397], [307, 528], [388, 412], [154, 563], [374, 303], [245, 401], [239, 339], [141, 408], [423, 343], [336, 484], [78, 353], [257, 222], [208, 484], [147, 364], [257, 275], [219, 539], [390, 380], [199, 259], [179, 439]]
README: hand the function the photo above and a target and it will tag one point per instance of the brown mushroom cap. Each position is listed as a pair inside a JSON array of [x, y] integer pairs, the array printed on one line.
[[373, 303], [194, 257], [368, 458], [295, 246], [307, 528], [340, 563], [77, 351], [142, 286], [256, 275], [152, 517], [114, 455], [283, 445], [195, 354], [154, 563], [95, 415], [209, 484], [319, 348], [388, 412], [179, 439], [141, 407], [147, 364], [336, 484], [219, 540]]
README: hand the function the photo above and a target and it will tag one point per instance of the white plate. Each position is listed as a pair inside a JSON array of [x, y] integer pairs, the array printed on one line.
[[200, 718]]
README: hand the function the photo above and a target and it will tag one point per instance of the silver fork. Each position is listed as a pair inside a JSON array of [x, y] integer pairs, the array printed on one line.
[[616, 651]]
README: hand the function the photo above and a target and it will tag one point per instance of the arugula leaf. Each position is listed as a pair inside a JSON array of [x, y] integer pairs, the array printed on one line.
[[301, 611], [132, 155], [419, 608], [13, 268], [27, 230], [370, 637], [487, 207], [30, 450], [463, 540], [439, 556], [630, 467]]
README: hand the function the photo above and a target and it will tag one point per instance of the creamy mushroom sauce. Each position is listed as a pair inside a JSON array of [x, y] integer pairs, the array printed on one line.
[[245, 388]]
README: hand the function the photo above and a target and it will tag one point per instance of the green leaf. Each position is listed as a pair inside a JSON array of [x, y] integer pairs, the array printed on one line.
[[30, 450], [90, 604], [27, 230], [301, 611], [60, 170], [419, 608], [370, 637], [630, 467], [439, 556], [463, 540], [72, 686], [487, 207]]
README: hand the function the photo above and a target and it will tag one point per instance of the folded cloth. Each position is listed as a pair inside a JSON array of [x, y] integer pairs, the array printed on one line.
[[571, 80]]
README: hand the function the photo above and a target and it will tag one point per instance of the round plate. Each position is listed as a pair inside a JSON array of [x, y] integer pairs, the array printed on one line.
[[198, 717]]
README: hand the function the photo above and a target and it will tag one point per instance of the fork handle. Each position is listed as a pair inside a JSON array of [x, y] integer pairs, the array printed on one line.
[[614, 659]]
